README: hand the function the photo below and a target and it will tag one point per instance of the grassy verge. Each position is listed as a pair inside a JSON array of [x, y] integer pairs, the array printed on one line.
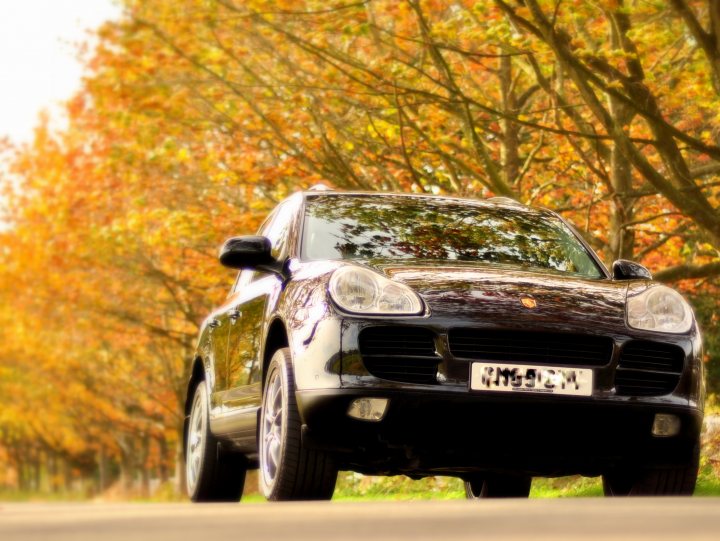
[[356, 487], [18, 496], [352, 487]]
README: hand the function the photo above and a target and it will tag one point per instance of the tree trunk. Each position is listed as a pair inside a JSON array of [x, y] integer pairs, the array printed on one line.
[[68, 477], [37, 473], [509, 150], [21, 478], [180, 458], [144, 467], [621, 237], [102, 470], [127, 464], [163, 473]]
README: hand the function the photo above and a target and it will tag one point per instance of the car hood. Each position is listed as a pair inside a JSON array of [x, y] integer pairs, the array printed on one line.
[[495, 295]]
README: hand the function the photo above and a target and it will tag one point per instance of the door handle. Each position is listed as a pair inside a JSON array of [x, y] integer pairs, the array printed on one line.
[[234, 315], [214, 323]]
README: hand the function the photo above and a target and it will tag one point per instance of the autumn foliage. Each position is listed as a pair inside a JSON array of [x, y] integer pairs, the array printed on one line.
[[196, 117]]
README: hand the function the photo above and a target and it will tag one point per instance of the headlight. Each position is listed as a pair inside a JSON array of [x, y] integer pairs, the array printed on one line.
[[659, 309], [362, 291]]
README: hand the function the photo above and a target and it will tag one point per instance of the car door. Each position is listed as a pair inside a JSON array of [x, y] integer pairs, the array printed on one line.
[[245, 334], [248, 309], [218, 332], [226, 368]]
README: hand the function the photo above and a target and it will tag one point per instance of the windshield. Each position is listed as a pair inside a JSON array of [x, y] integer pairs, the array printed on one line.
[[391, 227]]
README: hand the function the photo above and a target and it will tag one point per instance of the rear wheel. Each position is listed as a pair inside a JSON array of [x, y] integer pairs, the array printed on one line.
[[212, 475], [498, 486], [288, 470], [679, 481]]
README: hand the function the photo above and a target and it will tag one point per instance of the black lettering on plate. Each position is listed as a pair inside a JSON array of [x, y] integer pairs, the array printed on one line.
[[487, 375], [505, 374], [548, 377], [570, 378], [530, 377]]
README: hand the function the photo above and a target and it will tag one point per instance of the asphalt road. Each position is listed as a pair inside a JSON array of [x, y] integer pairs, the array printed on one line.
[[573, 519]]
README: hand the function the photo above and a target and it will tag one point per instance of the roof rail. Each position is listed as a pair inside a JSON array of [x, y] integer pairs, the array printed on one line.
[[506, 201], [320, 187]]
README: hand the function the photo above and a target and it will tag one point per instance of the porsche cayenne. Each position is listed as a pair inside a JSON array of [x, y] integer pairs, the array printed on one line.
[[397, 334]]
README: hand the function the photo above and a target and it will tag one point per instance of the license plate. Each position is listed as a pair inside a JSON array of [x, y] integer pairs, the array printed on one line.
[[520, 378]]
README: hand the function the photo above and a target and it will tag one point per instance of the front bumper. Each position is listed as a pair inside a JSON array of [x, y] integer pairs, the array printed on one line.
[[431, 433], [446, 428]]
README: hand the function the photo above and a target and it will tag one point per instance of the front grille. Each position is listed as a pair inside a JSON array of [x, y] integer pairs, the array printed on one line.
[[535, 347], [405, 354], [648, 368]]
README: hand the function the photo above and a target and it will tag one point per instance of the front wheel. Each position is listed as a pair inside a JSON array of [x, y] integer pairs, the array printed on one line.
[[288, 470], [678, 481], [498, 486], [212, 475]]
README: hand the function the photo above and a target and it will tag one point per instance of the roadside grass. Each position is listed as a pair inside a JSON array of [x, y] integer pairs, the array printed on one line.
[[353, 487], [356, 487], [567, 487], [7, 495], [708, 484]]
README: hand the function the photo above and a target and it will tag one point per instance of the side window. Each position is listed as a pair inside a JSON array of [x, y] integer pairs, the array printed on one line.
[[234, 288], [244, 278], [278, 227]]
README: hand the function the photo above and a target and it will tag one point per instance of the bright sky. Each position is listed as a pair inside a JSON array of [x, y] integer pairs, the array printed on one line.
[[38, 58]]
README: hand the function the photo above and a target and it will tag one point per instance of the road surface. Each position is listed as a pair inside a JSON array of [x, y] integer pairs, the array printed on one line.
[[583, 519]]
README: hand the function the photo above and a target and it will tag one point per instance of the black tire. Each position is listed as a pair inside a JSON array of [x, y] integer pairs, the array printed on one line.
[[679, 481], [289, 471], [212, 475], [498, 486]]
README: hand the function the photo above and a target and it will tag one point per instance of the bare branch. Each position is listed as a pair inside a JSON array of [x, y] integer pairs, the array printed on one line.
[[684, 272]]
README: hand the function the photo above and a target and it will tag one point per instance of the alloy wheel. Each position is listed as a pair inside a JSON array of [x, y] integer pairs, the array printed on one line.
[[195, 441], [271, 441]]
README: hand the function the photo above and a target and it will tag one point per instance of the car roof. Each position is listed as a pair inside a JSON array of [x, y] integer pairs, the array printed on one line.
[[496, 202]]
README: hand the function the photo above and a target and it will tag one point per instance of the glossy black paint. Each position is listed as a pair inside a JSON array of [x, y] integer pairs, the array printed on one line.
[[246, 252], [623, 269], [443, 427], [453, 434]]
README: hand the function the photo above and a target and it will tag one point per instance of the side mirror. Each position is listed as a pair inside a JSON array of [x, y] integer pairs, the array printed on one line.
[[246, 252], [623, 269]]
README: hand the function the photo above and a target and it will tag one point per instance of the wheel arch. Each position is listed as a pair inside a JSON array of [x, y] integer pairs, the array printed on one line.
[[197, 374], [276, 338]]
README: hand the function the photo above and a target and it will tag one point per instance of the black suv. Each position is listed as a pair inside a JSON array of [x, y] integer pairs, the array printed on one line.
[[421, 335]]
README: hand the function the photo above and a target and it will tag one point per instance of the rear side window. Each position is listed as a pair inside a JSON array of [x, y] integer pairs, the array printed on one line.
[[280, 226]]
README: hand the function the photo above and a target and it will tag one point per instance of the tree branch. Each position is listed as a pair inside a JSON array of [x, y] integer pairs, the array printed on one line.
[[684, 272]]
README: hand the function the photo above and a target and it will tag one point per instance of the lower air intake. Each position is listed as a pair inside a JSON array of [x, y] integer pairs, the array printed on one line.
[[648, 369], [403, 354]]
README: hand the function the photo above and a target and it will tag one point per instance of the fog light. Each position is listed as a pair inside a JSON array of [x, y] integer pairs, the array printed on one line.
[[368, 409], [666, 425]]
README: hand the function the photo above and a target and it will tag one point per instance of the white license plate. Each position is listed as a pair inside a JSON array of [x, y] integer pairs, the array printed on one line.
[[521, 378]]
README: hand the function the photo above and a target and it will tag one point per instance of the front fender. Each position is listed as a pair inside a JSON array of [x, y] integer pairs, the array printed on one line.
[[312, 327]]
